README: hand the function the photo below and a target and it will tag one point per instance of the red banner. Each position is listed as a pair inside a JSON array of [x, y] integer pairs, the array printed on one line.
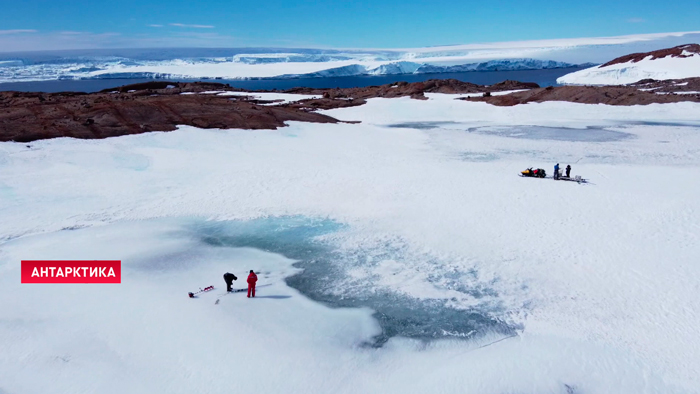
[[71, 271]]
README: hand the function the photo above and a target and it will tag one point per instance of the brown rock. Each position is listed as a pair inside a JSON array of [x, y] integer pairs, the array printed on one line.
[[24, 118], [610, 95]]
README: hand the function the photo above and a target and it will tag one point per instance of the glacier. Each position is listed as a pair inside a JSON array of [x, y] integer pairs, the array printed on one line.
[[249, 67], [405, 67], [247, 63]]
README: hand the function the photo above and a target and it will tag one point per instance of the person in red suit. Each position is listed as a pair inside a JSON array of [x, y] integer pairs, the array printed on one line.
[[252, 278]]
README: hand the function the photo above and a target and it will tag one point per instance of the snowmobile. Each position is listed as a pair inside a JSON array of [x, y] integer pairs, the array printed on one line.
[[536, 173]]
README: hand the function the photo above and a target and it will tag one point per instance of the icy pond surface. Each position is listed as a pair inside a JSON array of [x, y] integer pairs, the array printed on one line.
[[326, 277], [588, 134]]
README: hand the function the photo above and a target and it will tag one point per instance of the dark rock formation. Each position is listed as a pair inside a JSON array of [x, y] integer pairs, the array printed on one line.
[[161, 106], [31, 116], [675, 86], [610, 95], [414, 90]]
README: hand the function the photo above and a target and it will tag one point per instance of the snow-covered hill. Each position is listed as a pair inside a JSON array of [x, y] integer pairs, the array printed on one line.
[[679, 62]]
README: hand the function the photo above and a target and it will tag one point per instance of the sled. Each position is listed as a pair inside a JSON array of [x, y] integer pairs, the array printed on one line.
[[576, 178]]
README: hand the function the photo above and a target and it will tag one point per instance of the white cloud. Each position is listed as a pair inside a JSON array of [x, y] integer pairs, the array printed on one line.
[[155, 25], [17, 31], [58, 41], [192, 26], [17, 40]]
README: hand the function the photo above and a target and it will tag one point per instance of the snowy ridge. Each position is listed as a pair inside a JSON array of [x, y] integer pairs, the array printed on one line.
[[618, 73]]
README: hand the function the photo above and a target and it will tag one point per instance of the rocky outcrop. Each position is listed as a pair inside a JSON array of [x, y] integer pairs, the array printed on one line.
[[161, 106], [416, 89], [610, 95], [32, 116], [675, 86]]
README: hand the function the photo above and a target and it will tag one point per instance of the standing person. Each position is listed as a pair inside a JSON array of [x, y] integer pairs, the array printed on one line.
[[556, 171], [252, 278], [568, 171], [229, 278]]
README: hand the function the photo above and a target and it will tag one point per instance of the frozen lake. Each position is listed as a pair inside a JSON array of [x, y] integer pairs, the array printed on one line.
[[327, 277]]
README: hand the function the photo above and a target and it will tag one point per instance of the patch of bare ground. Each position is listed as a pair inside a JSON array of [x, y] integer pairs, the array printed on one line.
[[610, 95]]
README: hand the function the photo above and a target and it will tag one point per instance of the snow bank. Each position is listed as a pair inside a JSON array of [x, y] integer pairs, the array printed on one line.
[[600, 280], [630, 72], [280, 98], [442, 96]]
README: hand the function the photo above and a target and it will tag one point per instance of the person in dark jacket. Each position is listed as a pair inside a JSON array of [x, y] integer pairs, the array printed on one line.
[[252, 278], [568, 171], [229, 278], [556, 171]]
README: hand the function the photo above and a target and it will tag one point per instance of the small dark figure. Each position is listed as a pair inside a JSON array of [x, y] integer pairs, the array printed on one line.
[[252, 278], [568, 171], [229, 278], [556, 171]]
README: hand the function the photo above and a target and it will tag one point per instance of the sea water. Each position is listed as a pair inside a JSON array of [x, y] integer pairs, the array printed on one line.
[[541, 77]]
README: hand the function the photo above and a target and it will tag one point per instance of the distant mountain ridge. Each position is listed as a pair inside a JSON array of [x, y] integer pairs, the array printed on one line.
[[230, 67], [404, 67]]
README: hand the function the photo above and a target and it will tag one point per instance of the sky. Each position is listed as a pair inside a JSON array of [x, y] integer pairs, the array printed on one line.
[[74, 24]]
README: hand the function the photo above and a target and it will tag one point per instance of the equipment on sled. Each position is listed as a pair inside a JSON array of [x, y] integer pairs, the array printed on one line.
[[576, 178], [204, 290]]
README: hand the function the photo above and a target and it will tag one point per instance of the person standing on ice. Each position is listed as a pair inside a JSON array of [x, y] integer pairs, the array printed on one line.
[[568, 170], [556, 171], [252, 278], [229, 278]]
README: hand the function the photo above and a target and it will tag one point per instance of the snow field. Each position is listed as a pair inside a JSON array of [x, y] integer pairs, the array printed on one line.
[[630, 72], [601, 277]]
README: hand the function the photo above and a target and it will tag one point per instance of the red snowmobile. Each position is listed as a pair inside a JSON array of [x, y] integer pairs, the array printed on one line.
[[536, 173]]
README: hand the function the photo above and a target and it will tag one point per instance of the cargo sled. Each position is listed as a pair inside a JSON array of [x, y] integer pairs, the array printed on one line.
[[576, 178]]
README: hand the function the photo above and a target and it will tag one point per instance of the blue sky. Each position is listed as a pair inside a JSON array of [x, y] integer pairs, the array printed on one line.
[[59, 24]]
